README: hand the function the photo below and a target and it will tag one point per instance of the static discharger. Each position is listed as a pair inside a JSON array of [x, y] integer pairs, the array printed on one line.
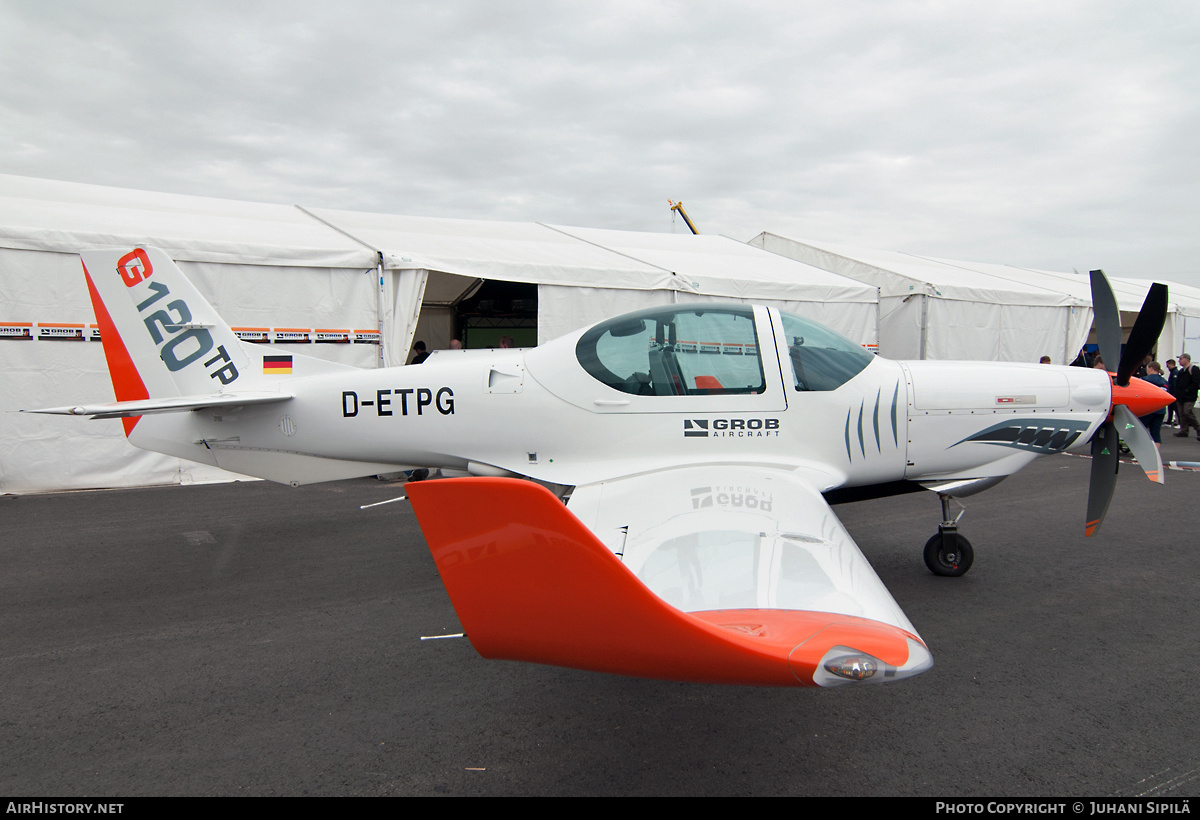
[[381, 503]]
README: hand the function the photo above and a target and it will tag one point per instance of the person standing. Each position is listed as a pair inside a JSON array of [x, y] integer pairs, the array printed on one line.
[[1172, 419], [1143, 368], [1153, 421], [1187, 385]]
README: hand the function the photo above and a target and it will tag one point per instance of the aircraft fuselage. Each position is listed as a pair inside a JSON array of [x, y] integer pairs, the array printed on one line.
[[494, 412]]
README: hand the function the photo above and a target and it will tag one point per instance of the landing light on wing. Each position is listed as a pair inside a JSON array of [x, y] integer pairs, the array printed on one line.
[[842, 665], [853, 667]]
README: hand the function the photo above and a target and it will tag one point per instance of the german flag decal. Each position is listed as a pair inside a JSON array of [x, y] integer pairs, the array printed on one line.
[[277, 365]]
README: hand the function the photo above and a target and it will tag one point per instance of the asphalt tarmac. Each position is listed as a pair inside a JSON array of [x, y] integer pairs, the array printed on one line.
[[255, 639]]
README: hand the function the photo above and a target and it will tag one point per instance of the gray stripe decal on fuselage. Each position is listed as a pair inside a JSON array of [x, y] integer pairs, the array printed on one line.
[[878, 446], [862, 447], [849, 456], [1039, 435], [895, 431]]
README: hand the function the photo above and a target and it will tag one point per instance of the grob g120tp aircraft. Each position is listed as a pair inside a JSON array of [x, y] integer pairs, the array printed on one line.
[[692, 443]]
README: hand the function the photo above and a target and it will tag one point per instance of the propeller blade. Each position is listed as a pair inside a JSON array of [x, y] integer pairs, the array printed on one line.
[[1145, 333], [1106, 442], [1105, 462], [1138, 438], [1107, 320]]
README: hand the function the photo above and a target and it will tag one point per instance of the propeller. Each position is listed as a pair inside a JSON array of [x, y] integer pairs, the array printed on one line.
[[1130, 397]]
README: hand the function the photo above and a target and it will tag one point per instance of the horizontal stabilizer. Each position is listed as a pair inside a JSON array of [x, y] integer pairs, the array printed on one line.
[[175, 404], [530, 582]]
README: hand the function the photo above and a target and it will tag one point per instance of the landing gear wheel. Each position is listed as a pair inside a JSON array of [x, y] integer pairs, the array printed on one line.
[[953, 561]]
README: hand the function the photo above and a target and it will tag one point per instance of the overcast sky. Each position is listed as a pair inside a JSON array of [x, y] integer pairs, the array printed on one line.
[[1048, 134]]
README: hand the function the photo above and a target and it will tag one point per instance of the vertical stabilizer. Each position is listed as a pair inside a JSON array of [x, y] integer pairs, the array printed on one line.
[[161, 337]]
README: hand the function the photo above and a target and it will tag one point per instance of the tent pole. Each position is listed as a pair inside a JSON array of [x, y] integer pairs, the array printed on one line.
[[878, 293], [924, 322], [379, 294], [1067, 357]]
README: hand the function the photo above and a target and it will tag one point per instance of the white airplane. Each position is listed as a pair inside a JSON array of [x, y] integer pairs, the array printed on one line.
[[692, 444]]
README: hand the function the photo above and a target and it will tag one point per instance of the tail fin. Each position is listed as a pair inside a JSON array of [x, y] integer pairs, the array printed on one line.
[[161, 337], [171, 337], [171, 358]]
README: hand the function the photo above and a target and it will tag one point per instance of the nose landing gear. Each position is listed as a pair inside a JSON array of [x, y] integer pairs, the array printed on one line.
[[948, 553]]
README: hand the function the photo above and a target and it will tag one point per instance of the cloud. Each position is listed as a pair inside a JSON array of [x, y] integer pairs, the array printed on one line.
[[1049, 136]]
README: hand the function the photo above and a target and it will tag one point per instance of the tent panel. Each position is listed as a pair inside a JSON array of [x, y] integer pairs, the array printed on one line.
[[435, 328], [1027, 333], [902, 274], [402, 310], [508, 251], [564, 309], [49, 453], [719, 266], [48, 215], [962, 330], [900, 326], [1191, 338]]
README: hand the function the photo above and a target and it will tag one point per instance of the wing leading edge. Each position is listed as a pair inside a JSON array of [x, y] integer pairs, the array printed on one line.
[[721, 592]]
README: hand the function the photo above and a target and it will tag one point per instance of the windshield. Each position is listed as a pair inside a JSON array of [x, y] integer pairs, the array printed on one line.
[[821, 359]]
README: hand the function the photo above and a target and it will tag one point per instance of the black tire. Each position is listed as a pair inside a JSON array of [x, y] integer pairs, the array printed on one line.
[[938, 562]]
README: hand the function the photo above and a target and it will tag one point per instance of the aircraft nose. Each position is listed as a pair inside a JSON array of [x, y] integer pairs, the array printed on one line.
[[1141, 397]]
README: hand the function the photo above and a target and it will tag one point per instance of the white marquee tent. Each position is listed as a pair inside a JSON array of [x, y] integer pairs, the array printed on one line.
[[586, 274], [287, 274], [934, 309], [944, 309]]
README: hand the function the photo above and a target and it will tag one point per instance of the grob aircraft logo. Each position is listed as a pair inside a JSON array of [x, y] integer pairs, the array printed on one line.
[[728, 496], [730, 428]]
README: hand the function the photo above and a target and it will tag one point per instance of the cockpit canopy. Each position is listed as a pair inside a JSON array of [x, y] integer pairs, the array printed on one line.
[[709, 350]]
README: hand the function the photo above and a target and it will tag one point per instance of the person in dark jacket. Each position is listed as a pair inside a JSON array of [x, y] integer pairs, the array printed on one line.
[[1141, 370], [1153, 421], [1187, 386]]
